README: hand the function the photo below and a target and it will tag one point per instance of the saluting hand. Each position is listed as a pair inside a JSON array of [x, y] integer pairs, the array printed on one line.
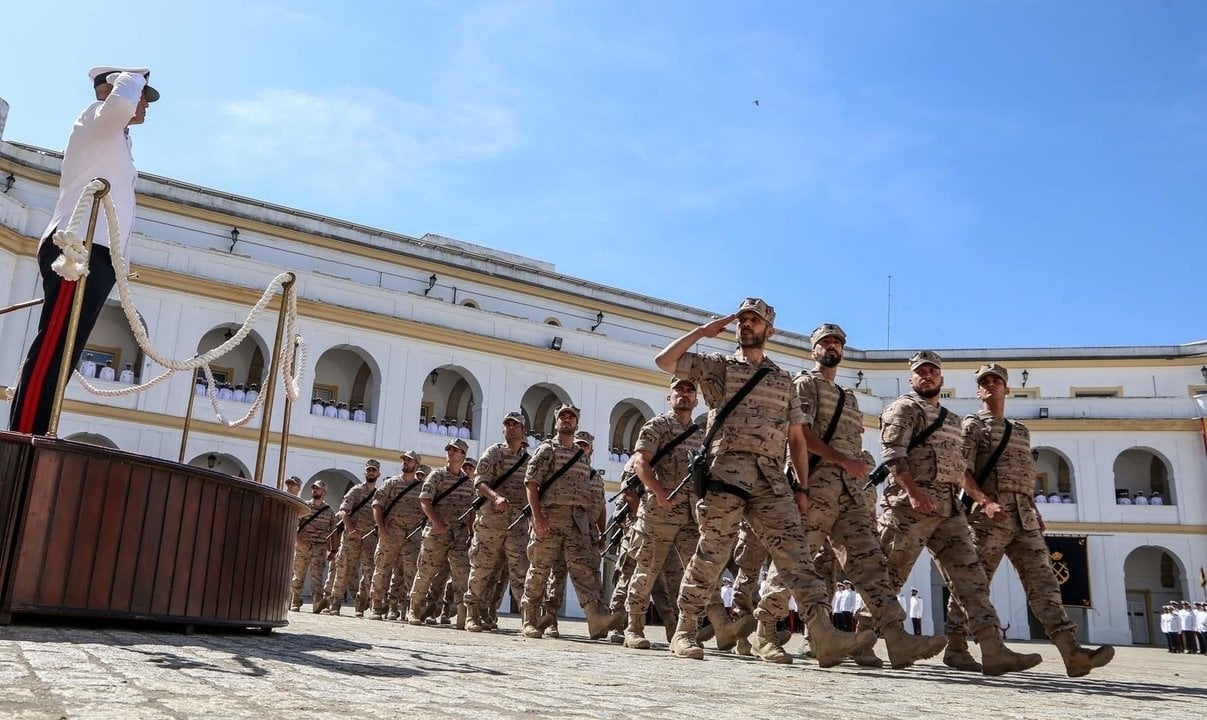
[[716, 327]]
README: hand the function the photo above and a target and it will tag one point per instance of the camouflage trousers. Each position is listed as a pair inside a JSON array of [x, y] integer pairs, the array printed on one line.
[[308, 558], [659, 541], [1032, 561], [568, 541], [438, 552], [841, 531], [394, 565], [903, 534], [777, 524], [749, 556], [496, 553], [353, 570]]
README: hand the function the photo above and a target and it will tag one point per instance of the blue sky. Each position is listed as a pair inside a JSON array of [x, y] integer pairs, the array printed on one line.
[[1030, 174]]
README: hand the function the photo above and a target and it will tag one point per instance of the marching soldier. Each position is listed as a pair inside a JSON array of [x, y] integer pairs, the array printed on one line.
[[446, 492], [560, 524], [495, 547], [354, 561], [397, 555], [313, 548], [666, 526], [924, 455], [998, 452], [746, 480], [836, 508]]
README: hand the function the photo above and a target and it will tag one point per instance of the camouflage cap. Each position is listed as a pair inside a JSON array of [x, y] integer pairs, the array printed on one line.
[[676, 380], [584, 437], [412, 454], [318, 484], [515, 417], [759, 307], [826, 330], [372, 464], [923, 357], [293, 480], [458, 444], [470, 461], [571, 408], [993, 369], [424, 470]]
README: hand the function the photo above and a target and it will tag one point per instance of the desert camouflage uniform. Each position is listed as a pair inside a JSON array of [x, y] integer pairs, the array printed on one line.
[[937, 467], [839, 527], [354, 561], [657, 533], [1011, 484], [567, 505], [449, 549], [748, 455], [397, 557], [311, 552], [497, 552]]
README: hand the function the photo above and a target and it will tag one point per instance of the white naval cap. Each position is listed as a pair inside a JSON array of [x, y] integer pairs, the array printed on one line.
[[99, 76]]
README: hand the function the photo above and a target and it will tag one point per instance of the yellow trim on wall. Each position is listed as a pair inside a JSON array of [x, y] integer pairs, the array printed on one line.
[[1127, 528], [1091, 392]]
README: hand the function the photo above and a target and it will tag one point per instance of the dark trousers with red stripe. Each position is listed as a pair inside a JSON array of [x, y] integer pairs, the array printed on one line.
[[30, 412]]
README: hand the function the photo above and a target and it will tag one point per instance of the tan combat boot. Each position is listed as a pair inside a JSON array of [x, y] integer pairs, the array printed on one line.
[[532, 627], [728, 633], [600, 621], [831, 645], [490, 621], [319, 606], [683, 642], [461, 616], [473, 619], [1080, 661], [634, 634], [379, 613], [905, 649], [744, 647], [416, 613], [997, 659], [767, 646], [392, 612], [868, 658], [957, 655]]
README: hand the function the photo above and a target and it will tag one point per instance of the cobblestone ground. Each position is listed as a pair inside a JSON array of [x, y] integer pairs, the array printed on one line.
[[323, 667]]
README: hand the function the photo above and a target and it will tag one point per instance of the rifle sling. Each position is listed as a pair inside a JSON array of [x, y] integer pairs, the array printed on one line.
[[385, 512], [729, 407], [313, 515], [815, 460], [983, 475]]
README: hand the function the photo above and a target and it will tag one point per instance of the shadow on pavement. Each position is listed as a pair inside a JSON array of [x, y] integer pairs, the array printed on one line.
[[247, 651]]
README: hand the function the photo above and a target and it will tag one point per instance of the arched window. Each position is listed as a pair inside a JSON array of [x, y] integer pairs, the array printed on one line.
[[1053, 475], [1144, 473], [553, 321], [470, 304], [452, 400], [540, 404], [347, 375], [625, 422]]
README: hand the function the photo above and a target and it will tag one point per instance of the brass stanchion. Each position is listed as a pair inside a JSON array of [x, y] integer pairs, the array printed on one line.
[[21, 305], [285, 423], [73, 324], [188, 419], [270, 391]]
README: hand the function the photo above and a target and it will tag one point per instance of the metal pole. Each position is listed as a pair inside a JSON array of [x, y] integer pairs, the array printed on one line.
[[73, 324], [188, 419], [270, 390], [285, 423], [21, 305]]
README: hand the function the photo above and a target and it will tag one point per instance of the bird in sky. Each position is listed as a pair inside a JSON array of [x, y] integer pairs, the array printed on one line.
[[756, 102]]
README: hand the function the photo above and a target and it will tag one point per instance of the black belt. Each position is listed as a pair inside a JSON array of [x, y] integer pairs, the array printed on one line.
[[715, 486]]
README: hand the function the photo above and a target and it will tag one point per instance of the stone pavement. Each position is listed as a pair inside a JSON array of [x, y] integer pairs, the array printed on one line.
[[343, 667]]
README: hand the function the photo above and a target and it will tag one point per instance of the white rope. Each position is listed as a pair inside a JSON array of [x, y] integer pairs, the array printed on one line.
[[74, 258]]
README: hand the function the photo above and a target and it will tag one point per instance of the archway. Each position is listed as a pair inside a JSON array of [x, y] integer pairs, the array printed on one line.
[[1152, 577], [338, 482], [625, 422], [93, 439], [540, 404], [1144, 471], [348, 374], [223, 463], [1054, 475], [245, 366], [112, 343], [452, 395]]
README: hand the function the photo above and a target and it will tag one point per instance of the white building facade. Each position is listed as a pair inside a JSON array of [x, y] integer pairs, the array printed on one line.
[[434, 330]]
